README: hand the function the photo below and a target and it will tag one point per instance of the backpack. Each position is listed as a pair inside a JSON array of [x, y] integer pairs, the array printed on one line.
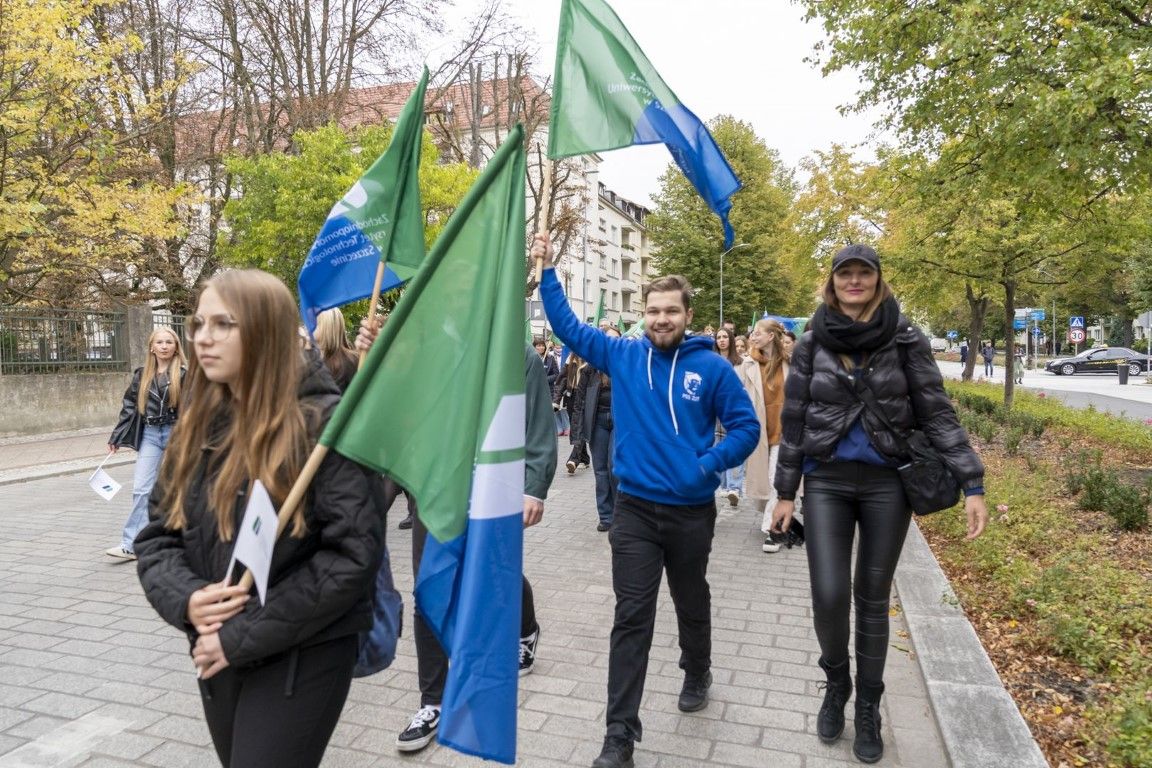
[[378, 644]]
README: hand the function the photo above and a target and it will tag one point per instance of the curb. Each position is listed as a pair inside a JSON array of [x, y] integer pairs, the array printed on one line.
[[62, 468], [978, 719]]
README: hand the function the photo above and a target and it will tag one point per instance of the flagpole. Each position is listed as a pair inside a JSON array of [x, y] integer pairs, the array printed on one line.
[[545, 204], [372, 309], [299, 488]]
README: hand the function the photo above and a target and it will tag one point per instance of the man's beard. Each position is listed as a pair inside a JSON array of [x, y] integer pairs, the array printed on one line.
[[668, 347]]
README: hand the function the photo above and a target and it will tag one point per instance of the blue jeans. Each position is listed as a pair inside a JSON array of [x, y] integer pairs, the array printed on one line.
[[147, 467], [733, 479], [600, 447], [562, 423]]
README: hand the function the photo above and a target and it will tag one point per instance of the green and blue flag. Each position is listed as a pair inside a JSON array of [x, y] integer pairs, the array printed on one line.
[[607, 95], [439, 406], [379, 219]]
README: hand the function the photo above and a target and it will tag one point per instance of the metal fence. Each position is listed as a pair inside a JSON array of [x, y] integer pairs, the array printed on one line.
[[47, 340], [175, 322]]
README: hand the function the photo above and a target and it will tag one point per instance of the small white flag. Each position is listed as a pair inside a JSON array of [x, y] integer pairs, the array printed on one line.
[[103, 484], [257, 538]]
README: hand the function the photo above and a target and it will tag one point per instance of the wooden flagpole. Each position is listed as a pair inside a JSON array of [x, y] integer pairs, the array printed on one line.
[[295, 496], [372, 313]]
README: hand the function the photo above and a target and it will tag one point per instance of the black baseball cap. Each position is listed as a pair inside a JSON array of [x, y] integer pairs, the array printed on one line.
[[856, 252]]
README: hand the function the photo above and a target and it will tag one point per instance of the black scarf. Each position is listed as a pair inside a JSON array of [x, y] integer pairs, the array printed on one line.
[[843, 335]]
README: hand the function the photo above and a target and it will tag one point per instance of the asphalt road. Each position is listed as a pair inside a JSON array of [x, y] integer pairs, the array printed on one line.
[[1101, 391]]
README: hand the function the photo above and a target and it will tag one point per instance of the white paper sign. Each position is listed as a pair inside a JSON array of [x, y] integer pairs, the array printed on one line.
[[103, 484], [257, 538]]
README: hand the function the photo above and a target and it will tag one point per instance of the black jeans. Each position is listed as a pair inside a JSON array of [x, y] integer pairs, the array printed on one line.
[[838, 498], [431, 661], [283, 711], [648, 538]]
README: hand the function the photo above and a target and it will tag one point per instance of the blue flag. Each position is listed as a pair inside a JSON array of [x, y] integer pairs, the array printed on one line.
[[608, 95], [378, 219]]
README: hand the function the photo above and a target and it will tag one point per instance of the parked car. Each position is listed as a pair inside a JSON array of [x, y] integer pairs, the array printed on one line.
[[939, 345], [1099, 360]]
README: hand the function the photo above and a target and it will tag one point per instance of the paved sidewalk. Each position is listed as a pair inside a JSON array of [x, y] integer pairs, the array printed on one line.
[[89, 676]]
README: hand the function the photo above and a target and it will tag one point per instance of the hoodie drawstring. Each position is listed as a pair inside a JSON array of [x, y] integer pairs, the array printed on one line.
[[671, 378]]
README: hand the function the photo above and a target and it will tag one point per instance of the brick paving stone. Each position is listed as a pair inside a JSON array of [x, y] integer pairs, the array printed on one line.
[[77, 636]]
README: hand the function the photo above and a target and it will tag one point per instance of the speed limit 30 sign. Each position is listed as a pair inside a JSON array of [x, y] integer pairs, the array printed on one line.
[[1076, 335]]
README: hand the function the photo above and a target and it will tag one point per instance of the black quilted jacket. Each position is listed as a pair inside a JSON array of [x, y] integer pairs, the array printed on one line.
[[820, 407], [319, 586]]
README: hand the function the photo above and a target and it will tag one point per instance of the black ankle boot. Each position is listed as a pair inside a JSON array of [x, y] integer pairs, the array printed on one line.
[[868, 746], [837, 691]]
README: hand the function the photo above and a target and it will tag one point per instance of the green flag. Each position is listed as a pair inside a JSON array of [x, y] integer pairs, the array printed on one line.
[[608, 95], [599, 310], [636, 331], [451, 349]]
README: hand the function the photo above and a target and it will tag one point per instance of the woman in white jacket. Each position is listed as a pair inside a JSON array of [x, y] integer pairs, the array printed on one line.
[[763, 375]]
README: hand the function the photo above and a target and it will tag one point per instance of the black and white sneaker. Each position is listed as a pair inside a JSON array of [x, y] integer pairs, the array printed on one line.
[[420, 731], [528, 651]]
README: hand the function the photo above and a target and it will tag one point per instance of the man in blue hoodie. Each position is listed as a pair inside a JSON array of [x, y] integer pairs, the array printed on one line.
[[668, 392]]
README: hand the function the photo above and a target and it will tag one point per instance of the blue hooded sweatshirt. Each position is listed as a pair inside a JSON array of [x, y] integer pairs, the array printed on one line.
[[665, 406]]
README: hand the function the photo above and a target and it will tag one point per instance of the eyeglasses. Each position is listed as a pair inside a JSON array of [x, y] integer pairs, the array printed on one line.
[[219, 327]]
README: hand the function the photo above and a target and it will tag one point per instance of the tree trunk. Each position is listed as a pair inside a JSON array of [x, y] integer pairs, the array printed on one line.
[[1009, 341], [978, 310]]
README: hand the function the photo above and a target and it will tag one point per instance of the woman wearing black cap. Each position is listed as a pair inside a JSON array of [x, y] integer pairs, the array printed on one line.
[[847, 456]]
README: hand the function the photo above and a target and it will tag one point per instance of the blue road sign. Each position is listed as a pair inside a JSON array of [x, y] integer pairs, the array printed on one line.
[[1036, 332], [1019, 323], [1076, 322], [1036, 315], [951, 334]]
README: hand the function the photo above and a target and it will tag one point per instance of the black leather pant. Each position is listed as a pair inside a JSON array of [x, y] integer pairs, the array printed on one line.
[[838, 498]]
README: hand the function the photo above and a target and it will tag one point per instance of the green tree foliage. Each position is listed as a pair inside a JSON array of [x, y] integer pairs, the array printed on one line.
[[688, 239], [1036, 89], [287, 196], [75, 202]]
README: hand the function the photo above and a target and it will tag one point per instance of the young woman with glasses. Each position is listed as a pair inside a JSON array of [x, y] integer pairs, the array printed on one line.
[[273, 676]]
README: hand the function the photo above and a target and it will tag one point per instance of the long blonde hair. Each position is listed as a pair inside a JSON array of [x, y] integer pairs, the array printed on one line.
[[773, 361], [332, 340], [152, 368], [255, 429]]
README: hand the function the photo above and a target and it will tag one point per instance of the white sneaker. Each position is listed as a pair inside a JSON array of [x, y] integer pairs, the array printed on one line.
[[119, 553], [769, 545]]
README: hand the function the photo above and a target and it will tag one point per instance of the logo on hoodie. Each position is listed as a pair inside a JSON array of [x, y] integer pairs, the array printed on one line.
[[692, 382]]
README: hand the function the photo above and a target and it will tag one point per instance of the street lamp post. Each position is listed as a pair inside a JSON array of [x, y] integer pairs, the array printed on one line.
[[738, 245]]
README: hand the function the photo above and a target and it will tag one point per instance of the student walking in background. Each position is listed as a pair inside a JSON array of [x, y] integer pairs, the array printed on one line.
[[568, 395], [732, 483], [763, 376], [151, 405], [989, 354], [848, 457], [273, 677], [335, 350]]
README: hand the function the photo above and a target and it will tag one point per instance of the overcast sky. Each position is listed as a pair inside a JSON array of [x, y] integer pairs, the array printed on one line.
[[739, 57]]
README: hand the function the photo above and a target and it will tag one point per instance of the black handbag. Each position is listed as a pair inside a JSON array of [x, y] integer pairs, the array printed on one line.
[[928, 483]]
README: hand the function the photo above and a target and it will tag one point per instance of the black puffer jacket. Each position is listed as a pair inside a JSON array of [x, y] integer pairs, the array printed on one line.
[[820, 407], [319, 586]]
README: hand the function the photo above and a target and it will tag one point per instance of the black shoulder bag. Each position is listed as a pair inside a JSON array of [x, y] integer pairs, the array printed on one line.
[[928, 483]]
